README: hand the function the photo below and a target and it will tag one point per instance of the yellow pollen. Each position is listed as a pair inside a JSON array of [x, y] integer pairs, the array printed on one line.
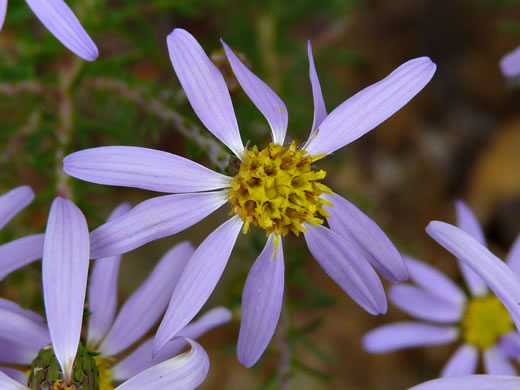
[[105, 375], [485, 320], [276, 190]]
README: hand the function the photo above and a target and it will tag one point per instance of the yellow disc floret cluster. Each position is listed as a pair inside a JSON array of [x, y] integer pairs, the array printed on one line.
[[276, 190], [485, 320], [105, 374]]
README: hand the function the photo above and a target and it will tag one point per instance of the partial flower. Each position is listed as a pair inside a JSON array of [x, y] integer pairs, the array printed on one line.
[[185, 371], [447, 315], [510, 63], [472, 382], [277, 189], [65, 268], [20, 252], [59, 19]]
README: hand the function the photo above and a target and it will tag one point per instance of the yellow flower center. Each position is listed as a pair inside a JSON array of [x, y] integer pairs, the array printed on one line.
[[105, 375], [276, 190], [485, 320]]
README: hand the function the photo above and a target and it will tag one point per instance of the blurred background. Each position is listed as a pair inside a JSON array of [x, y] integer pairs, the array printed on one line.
[[458, 139]]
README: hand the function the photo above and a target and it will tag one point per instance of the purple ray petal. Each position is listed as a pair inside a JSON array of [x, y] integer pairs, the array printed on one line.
[[102, 290], [320, 111], [467, 221], [264, 98], [343, 262], [513, 257], [153, 219], [17, 328], [141, 358], [144, 307], [423, 305], [261, 303], [65, 26], [463, 362], [509, 344], [471, 382], [185, 371], [19, 253], [17, 375], [149, 169], [16, 308], [3, 11], [7, 383], [400, 335], [198, 280], [434, 281], [64, 274], [205, 88], [373, 105], [510, 63], [14, 201], [504, 282], [371, 242], [496, 363], [16, 353]]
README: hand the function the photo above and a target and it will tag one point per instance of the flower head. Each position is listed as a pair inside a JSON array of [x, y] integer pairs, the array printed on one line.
[[481, 322], [62, 23], [65, 268], [277, 189]]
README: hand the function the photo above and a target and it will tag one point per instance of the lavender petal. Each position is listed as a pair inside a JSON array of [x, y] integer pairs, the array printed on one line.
[[423, 305], [153, 219], [510, 63], [463, 362], [370, 241], [19, 253], [373, 105], [264, 98], [145, 306], [467, 221], [434, 281], [261, 303], [149, 169], [65, 26], [14, 201], [185, 371], [471, 382], [198, 280], [205, 88], [141, 358], [64, 274], [401, 335], [102, 290], [342, 261], [496, 363]]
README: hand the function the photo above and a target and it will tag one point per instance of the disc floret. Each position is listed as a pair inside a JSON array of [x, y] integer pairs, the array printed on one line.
[[485, 320], [277, 190]]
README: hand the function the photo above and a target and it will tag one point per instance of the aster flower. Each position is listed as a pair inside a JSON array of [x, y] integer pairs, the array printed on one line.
[[510, 63], [65, 268], [481, 321], [503, 279], [59, 19], [20, 252], [276, 189]]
